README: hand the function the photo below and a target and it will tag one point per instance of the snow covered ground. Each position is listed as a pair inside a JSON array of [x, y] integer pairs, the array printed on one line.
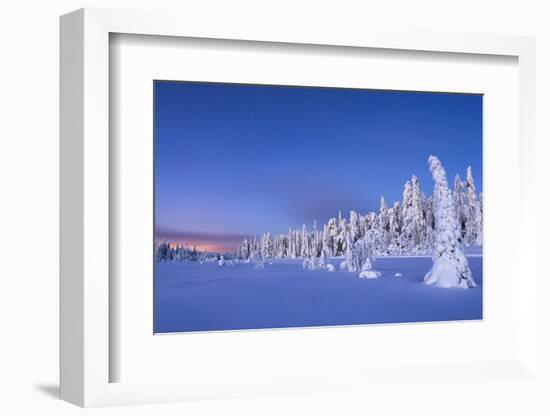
[[190, 296]]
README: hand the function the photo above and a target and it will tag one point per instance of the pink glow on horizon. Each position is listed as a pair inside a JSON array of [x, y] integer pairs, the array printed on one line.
[[213, 242], [202, 246]]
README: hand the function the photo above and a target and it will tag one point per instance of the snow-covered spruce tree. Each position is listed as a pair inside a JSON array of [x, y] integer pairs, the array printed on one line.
[[325, 238], [244, 250], [430, 224], [360, 256], [267, 246], [354, 226], [298, 238], [279, 246], [395, 229], [372, 221], [406, 217], [256, 258], [340, 243], [473, 213], [304, 246], [163, 251], [479, 240], [384, 225], [332, 235], [450, 266], [413, 230], [419, 225], [298, 243], [413, 226], [177, 253], [319, 242], [284, 245], [316, 263], [363, 226], [366, 248], [254, 248], [315, 241], [350, 263], [459, 200], [291, 244], [376, 234]]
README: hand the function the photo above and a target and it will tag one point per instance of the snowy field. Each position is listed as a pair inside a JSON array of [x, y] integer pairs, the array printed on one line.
[[190, 296]]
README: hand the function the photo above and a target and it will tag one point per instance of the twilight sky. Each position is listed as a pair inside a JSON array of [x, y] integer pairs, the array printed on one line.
[[236, 160]]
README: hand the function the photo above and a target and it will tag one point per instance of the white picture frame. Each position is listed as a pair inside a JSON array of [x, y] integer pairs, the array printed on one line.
[[86, 355]]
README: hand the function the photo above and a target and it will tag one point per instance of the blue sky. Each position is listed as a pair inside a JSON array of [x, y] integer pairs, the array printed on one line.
[[236, 160]]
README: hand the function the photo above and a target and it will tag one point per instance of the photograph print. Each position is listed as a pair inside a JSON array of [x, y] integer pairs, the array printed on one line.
[[295, 207]]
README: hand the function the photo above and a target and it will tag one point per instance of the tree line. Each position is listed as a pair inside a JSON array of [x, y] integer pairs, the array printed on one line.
[[440, 224], [407, 227]]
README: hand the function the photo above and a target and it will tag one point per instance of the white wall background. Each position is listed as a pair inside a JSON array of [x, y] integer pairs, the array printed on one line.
[[29, 201]]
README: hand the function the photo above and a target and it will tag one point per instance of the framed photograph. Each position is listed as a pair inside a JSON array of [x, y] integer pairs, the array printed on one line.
[[264, 216], [268, 211]]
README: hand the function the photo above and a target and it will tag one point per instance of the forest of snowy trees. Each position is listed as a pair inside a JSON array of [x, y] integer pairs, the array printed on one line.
[[405, 228], [165, 251]]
